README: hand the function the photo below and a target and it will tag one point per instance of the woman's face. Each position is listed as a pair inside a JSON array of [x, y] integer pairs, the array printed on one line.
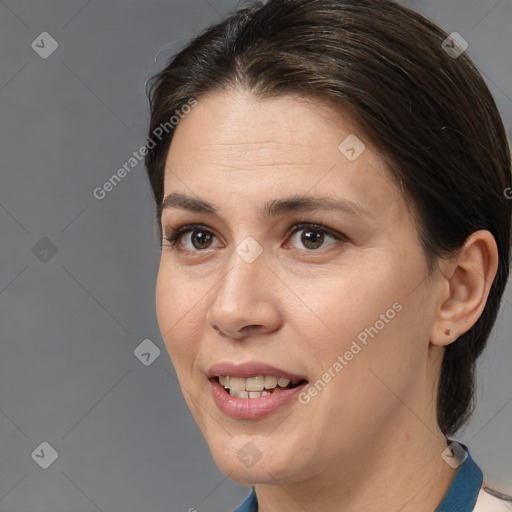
[[336, 299]]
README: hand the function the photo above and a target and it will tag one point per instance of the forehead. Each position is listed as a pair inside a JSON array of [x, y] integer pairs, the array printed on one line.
[[228, 122], [232, 143]]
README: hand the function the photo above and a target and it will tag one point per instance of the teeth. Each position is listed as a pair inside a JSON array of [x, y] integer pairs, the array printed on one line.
[[254, 387], [224, 381], [248, 394], [239, 394], [237, 383], [255, 383], [270, 382]]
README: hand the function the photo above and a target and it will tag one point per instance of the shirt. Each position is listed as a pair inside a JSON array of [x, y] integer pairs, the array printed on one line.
[[465, 494]]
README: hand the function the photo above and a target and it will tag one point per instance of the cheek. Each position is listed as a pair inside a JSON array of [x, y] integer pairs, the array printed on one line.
[[355, 298], [375, 343], [372, 307], [165, 303], [389, 327], [177, 314]]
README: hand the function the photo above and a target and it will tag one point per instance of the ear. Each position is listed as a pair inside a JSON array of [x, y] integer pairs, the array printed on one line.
[[466, 281]]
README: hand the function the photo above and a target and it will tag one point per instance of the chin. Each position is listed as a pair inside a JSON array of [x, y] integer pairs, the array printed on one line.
[[243, 462], [247, 476]]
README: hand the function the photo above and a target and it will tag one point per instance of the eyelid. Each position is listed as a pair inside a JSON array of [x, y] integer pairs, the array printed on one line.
[[179, 231], [337, 235]]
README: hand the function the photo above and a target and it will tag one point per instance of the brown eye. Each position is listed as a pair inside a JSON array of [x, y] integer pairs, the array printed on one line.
[[199, 239], [312, 236]]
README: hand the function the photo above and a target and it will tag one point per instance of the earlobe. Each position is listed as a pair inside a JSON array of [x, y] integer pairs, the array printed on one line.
[[467, 285]]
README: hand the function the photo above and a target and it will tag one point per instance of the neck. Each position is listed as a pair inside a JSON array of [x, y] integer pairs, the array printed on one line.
[[402, 471]]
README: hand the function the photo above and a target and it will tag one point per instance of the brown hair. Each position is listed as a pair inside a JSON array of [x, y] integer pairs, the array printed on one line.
[[429, 113]]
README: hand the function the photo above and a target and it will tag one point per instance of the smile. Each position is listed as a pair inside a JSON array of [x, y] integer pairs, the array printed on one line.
[[256, 387], [253, 389]]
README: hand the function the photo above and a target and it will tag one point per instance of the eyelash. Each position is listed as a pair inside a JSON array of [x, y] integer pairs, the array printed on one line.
[[176, 234]]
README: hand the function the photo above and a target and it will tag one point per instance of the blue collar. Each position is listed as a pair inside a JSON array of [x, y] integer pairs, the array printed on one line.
[[460, 497]]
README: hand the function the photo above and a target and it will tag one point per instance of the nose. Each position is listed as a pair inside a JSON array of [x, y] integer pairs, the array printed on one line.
[[246, 300]]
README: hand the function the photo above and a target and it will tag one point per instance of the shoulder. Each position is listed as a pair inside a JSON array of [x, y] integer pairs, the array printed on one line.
[[491, 500]]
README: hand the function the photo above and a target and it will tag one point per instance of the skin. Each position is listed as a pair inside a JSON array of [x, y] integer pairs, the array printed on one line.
[[369, 440]]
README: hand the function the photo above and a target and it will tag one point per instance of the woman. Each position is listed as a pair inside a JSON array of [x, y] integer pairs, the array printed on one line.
[[335, 245]]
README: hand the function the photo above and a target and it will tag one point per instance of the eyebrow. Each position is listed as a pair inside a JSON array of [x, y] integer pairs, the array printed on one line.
[[273, 208]]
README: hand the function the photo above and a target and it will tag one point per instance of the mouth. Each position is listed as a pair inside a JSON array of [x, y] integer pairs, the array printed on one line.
[[256, 387]]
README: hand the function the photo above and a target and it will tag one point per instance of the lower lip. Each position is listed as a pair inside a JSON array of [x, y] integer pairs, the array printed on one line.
[[252, 408]]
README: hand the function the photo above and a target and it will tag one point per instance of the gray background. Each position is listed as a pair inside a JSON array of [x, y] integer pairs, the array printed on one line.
[[69, 325]]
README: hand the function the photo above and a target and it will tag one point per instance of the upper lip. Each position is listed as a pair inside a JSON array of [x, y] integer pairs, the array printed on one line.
[[250, 369]]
